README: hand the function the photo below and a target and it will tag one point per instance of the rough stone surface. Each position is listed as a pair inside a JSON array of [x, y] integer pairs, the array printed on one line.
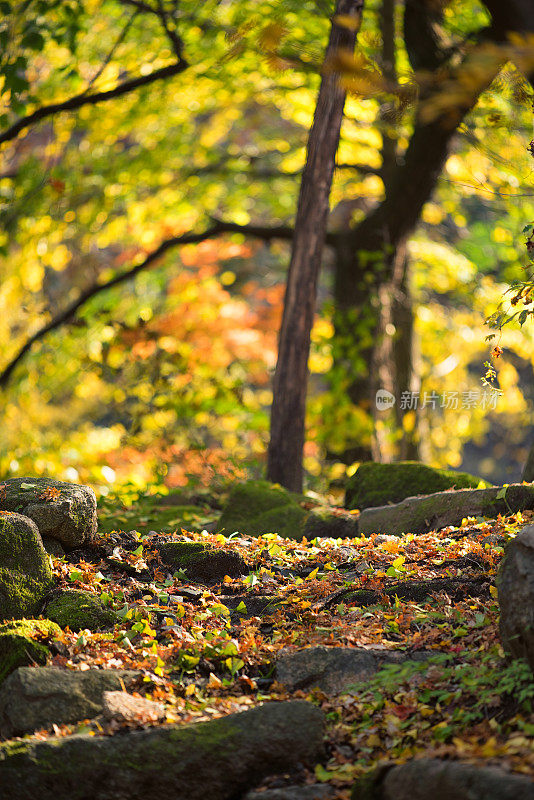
[[515, 586], [202, 563], [258, 507], [333, 669], [442, 780], [79, 610], [376, 484], [25, 573], [323, 521], [53, 547], [70, 517], [124, 707], [422, 514], [316, 792], [218, 759], [34, 698], [18, 644]]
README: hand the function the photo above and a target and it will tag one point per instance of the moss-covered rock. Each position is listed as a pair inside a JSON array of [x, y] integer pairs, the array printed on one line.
[[258, 507], [63, 511], [24, 642], [378, 484], [79, 610], [334, 523], [218, 759], [25, 573], [435, 511], [202, 563]]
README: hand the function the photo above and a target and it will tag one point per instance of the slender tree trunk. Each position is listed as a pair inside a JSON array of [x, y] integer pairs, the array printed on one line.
[[290, 381]]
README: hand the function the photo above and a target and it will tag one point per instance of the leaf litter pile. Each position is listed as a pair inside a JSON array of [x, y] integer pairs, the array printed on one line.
[[207, 651]]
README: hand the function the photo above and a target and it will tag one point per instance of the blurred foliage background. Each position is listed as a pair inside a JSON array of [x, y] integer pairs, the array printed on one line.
[[166, 376]]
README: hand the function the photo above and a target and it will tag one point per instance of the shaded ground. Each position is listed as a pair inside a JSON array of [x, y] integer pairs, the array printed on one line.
[[211, 650]]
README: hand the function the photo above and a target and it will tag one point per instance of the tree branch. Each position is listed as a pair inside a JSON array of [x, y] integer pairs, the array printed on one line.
[[218, 226], [83, 99]]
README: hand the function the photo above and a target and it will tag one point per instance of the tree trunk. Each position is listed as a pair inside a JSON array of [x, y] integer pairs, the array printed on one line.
[[373, 319], [291, 376]]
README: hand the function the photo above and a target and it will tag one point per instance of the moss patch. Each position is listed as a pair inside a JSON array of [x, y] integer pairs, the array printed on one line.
[[23, 643], [378, 484], [25, 573], [201, 563], [79, 610], [258, 507]]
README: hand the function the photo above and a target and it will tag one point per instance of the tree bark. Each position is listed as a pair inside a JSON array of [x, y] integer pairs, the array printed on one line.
[[291, 375], [374, 327]]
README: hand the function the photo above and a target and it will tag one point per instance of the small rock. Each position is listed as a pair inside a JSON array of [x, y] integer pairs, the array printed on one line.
[[34, 698], [219, 759], [63, 511], [316, 792], [333, 669], [202, 563], [18, 645], [515, 587], [78, 610], [442, 780], [25, 573], [124, 707]]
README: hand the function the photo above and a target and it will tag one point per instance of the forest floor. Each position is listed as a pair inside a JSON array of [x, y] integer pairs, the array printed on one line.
[[210, 651]]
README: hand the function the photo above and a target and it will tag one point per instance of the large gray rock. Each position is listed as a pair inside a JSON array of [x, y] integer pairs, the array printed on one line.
[[319, 791], [62, 511], [515, 586], [218, 759], [442, 780], [35, 697], [25, 573], [333, 669], [421, 514]]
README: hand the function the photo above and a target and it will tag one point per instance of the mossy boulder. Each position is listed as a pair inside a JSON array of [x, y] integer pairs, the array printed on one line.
[[24, 642], [329, 522], [258, 507], [202, 563], [218, 759], [25, 573], [378, 484], [78, 610], [62, 511]]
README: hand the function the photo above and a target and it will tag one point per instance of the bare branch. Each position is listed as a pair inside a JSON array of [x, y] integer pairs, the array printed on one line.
[[83, 99], [216, 229]]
